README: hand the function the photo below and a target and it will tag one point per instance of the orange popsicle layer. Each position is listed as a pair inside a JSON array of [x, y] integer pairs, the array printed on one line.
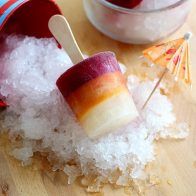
[[96, 91]]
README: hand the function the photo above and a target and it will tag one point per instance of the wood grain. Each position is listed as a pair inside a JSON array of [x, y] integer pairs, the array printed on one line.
[[176, 160]]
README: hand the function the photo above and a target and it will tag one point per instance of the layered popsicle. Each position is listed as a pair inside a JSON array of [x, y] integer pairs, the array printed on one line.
[[96, 91]]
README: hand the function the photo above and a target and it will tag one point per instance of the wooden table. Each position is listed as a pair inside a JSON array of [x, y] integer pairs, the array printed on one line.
[[176, 160]]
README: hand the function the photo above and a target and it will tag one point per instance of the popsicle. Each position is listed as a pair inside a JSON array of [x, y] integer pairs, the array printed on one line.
[[94, 88]]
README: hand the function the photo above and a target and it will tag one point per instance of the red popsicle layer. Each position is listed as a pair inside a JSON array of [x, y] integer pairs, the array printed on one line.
[[90, 68]]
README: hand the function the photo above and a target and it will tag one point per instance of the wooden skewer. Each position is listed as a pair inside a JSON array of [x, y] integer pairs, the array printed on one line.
[[157, 84], [62, 32]]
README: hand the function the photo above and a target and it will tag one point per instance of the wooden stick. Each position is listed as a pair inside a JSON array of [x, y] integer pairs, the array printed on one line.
[[157, 84], [61, 30]]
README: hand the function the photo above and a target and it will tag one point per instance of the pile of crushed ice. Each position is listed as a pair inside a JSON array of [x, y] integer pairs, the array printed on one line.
[[40, 121]]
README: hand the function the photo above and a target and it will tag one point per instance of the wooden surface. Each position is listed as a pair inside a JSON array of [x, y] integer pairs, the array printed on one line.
[[176, 160]]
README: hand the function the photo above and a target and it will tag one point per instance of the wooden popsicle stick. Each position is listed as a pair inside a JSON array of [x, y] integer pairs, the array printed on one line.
[[62, 32], [157, 84]]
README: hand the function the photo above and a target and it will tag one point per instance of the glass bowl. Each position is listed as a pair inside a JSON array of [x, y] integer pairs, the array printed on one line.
[[136, 26]]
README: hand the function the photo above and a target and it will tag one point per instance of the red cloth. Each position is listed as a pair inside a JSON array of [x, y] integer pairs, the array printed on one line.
[[31, 18]]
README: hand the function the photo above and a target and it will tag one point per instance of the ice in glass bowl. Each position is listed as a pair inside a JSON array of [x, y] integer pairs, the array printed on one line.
[[150, 21]]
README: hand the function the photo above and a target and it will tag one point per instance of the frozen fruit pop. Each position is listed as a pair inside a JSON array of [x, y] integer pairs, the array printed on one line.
[[96, 91], [94, 88]]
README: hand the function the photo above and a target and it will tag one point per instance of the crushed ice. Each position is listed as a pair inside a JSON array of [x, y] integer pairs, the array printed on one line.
[[44, 122], [155, 4]]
